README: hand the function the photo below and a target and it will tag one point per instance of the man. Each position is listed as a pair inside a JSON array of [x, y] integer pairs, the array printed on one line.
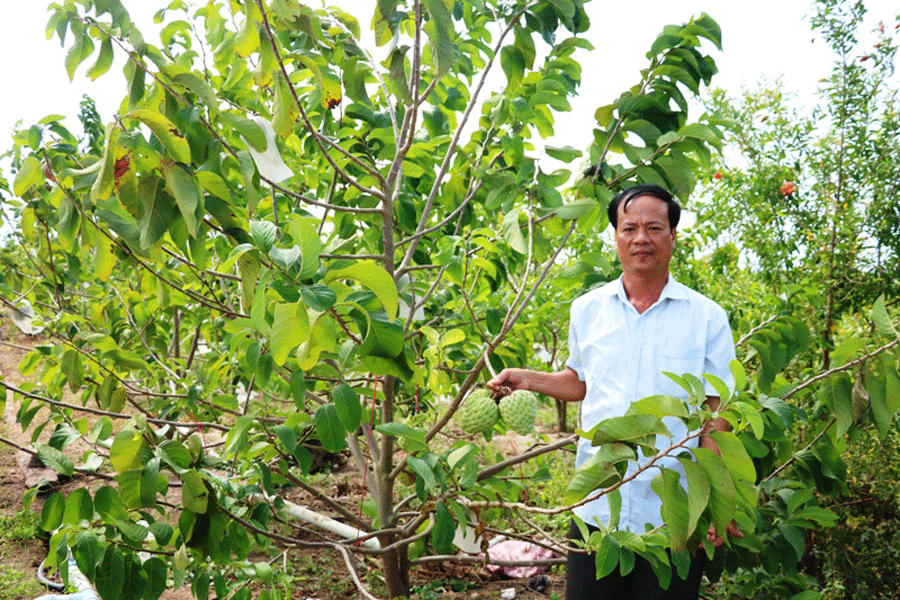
[[622, 336]]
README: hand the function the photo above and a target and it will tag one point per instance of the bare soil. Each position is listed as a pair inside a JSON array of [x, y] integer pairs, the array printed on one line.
[[319, 575]]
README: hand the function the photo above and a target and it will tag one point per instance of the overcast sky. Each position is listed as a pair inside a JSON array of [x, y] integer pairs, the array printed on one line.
[[764, 38]]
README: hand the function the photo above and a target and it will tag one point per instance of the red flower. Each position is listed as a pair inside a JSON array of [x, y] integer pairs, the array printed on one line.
[[717, 175], [787, 188]]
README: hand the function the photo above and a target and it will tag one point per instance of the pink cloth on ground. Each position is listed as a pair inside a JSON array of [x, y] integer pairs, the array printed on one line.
[[518, 550]]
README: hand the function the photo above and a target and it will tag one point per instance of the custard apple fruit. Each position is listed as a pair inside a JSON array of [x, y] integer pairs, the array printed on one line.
[[519, 410], [478, 412]]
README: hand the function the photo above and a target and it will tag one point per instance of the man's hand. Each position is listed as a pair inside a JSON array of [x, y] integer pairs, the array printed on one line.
[[563, 385], [514, 379], [731, 531]]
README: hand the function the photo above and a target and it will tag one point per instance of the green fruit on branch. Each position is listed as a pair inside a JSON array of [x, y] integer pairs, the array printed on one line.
[[519, 410], [478, 412]]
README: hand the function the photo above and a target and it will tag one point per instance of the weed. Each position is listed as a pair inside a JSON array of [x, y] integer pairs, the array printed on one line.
[[16, 585]]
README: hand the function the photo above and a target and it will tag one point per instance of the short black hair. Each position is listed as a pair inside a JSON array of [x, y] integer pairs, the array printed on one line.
[[644, 189]]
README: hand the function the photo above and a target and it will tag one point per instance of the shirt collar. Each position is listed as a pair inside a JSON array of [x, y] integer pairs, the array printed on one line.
[[673, 290]]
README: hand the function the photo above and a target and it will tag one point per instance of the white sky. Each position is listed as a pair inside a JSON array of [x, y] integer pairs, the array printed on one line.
[[765, 38]]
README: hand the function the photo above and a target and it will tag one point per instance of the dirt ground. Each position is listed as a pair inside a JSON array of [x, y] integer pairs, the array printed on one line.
[[318, 575]]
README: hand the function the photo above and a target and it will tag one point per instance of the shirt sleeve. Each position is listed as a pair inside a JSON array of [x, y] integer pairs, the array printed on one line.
[[574, 360], [719, 351]]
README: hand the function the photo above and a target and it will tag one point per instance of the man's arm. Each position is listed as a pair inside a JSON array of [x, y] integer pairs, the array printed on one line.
[[562, 385]]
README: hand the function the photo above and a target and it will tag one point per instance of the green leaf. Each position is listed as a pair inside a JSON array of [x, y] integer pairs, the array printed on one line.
[[52, 511], [424, 472], [628, 428], [839, 396], [373, 276], [30, 174], [511, 232], [882, 320], [149, 479], [414, 437], [104, 59], [248, 129], [318, 297], [157, 576], [348, 407], [576, 209], [175, 454], [290, 328], [79, 507], [286, 111], [264, 234], [166, 132], [184, 188], [287, 437], [55, 459], [675, 506], [88, 552], [739, 374], [194, 493], [513, 64], [721, 486], [659, 406], [735, 456], [440, 32], [126, 450], [601, 471], [607, 557], [563, 153], [698, 492], [110, 574], [329, 429], [444, 528]]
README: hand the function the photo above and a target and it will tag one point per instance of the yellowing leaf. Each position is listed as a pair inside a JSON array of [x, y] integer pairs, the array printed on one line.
[[289, 329], [286, 111], [165, 132], [374, 277], [29, 174]]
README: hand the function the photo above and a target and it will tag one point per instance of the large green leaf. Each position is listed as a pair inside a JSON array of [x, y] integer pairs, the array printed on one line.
[[628, 428], [882, 320], [675, 506], [183, 187], [55, 459], [721, 486], [127, 450], [111, 574], [329, 429], [373, 276], [30, 174], [698, 492], [166, 132], [290, 328], [79, 507], [194, 494], [441, 33], [601, 471], [349, 409]]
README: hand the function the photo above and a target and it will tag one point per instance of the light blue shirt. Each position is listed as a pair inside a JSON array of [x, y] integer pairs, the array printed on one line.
[[621, 355]]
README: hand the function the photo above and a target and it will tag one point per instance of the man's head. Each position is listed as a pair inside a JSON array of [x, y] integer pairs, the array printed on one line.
[[645, 218], [625, 197]]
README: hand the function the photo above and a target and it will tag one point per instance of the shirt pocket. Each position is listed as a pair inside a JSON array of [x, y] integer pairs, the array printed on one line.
[[680, 360]]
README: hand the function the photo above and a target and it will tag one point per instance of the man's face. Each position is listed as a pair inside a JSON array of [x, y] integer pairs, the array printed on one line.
[[644, 239]]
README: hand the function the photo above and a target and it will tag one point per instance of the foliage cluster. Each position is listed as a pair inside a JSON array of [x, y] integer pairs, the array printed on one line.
[[283, 245]]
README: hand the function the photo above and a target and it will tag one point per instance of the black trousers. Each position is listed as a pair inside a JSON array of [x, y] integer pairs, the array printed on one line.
[[640, 584]]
